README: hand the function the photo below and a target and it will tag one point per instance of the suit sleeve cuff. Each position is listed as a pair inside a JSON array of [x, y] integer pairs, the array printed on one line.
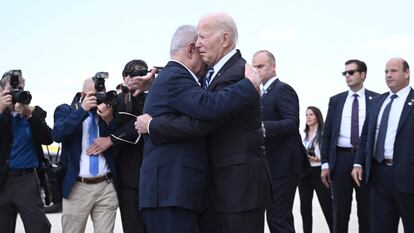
[[148, 126]]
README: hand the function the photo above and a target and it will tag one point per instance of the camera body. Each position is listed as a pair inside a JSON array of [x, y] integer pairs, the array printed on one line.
[[311, 151], [143, 72], [102, 96], [18, 96]]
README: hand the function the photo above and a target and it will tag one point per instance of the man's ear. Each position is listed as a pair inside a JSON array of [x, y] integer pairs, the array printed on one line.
[[189, 49], [226, 40]]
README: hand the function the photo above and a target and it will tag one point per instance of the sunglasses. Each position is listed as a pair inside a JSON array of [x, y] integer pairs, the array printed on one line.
[[350, 72]]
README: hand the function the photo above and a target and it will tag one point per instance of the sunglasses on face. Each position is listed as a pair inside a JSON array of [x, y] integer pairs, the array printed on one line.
[[350, 72]]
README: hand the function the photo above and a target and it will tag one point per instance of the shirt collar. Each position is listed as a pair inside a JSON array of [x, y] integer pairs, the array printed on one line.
[[191, 72], [223, 61], [268, 83], [360, 93], [403, 93]]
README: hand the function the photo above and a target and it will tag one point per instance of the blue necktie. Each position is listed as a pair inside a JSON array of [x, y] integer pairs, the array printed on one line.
[[355, 122], [93, 134], [379, 148], [207, 79]]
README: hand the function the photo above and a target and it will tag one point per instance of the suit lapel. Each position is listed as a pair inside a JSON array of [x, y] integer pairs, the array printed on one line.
[[368, 101], [270, 88], [340, 108], [408, 106], [228, 64]]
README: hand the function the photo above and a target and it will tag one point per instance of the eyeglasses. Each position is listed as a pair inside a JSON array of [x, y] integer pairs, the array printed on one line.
[[350, 72]]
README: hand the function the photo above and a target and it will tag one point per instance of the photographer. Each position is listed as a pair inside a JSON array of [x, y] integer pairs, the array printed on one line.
[[128, 146], [88, 187], [311, 180], [22, 131]]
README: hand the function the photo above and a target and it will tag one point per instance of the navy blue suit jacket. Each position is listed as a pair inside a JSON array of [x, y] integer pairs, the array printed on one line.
[[284, 148], [177, 173], [67, 130], [403, 157], [333, 124], [241, 174]]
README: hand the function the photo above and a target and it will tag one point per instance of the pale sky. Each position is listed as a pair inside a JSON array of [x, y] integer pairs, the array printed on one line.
[[57, 44]]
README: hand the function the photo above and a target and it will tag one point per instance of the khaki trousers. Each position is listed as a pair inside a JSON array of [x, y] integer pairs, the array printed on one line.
[[97, 200]]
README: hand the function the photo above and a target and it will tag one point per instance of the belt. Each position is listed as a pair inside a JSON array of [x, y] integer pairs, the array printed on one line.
[[94, 180], [20, 172], [346, 149], [388, 162]]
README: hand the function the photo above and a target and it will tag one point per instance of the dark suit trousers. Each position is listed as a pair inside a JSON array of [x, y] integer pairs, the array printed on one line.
[[279, 213], [307, 185], [170, 220], [132, 221], [22, 194], [342, 189], [388, 205], [243, 222]]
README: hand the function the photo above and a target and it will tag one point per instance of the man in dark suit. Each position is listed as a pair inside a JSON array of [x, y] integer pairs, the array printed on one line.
[[280, 106], [346, 115], [22, 132], [385, 152], [88, 187], [174, 177]]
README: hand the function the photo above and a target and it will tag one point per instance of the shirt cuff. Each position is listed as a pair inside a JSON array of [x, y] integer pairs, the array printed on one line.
[[148, 126], [325, 166], [357, 165]]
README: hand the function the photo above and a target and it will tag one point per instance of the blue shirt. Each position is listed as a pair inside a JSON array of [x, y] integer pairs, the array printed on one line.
[[23, 152]]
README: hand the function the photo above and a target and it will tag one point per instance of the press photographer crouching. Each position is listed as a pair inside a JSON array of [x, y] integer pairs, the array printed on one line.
[[22, 132], [88, 187]]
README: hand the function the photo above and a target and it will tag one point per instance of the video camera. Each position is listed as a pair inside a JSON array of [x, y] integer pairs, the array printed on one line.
[[143, 72], [102, 96], [18, 96]]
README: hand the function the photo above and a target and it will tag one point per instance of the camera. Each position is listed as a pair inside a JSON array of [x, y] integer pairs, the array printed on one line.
[[143, 72], [311, 151], [18, 96], [102, 96]]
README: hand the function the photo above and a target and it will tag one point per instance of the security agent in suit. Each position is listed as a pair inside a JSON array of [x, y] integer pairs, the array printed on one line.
[[346, 114], [175, 176], [22, 132], [389, 170], [87, 189], [284, 149]]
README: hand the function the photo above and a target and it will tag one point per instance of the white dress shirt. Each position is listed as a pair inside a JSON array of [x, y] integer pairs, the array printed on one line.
[[221, 63], [84, 160], [307, 144], [393, 120], [344, 139]]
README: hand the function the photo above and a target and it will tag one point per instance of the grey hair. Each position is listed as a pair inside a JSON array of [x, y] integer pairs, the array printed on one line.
[[6, 79], [223, 22], [184, 35]]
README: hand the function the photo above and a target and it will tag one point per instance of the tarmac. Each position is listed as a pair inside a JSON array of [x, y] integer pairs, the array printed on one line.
[[319, 223]]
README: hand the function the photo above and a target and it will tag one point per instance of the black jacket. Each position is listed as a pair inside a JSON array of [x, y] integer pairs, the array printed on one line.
[[41, 134]]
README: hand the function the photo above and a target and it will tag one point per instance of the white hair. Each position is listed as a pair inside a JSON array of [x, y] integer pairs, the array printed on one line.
[[184, 35]]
